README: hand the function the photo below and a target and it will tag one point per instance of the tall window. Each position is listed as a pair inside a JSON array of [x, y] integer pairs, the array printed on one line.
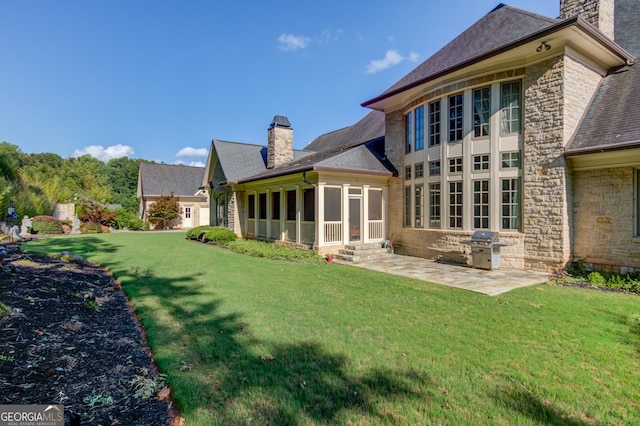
[[275, 205], [419, 170], [511, 203], [419, 206], [455, 118], [375, 204], [251, 206], [481, 111], [408, 133], [262, 205], [434, 205], [291, 205], [308, 204], [407, 206], [419, 128], [455, 204], [434, 168], [481, 204], [434, 123], [510, 107], [332, 204], [407, 172]]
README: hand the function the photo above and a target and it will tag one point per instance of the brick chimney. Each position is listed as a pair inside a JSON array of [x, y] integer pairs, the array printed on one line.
[[279, 142], [599, 13]]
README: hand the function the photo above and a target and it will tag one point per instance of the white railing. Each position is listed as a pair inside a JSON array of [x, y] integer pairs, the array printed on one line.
[[376, 229], [275, 230], [290, 231], [332, 232], [307, 232]]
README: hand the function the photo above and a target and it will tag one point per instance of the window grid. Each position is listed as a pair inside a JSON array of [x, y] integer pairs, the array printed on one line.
[[455, 165], [455, 118], [407, 133], [481, 204], [187, 212], [419, 170], [434, 168], [481, 111], [511, 160], [434, 123], [510, 99], [481, 162], [511, 203], [407, 206], [407, 172], [419, 128], [434, 205], [455, 204], [419, 206]]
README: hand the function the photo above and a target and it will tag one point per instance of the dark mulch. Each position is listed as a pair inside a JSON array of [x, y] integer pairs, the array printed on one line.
[[72, 338]]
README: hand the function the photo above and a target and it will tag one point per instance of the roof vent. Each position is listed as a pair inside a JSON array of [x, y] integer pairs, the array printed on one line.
[[280, 121]]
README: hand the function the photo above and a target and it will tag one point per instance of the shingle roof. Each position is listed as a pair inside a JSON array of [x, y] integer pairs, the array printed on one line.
[[164, 179], [368, 128], [613, 118], [501, 27]]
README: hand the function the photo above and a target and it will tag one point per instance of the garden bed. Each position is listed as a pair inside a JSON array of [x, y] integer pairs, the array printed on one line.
[[70, 337]]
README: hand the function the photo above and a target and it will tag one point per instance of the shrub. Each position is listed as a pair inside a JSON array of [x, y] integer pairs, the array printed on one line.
[[91, 228], [130, 220], [46, 225], [95, 212], [275, 251], [220, 236], [596, 278], [197, 232]]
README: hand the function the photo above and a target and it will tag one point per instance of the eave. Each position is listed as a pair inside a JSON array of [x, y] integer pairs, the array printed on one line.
[[621, 155]]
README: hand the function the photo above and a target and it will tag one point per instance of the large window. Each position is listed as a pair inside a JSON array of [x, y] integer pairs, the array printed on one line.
[[262, 206], [308, 204], [408, 133], [419, 128], [434, 205], [407, 206], [332, 204], [434, 123], [375, 204], [510, 107], [419, 206], [275, 205], [251, 206], [455, 204], [291, 204], [481, 111], [455, 118], [481, 204], [511, 204]]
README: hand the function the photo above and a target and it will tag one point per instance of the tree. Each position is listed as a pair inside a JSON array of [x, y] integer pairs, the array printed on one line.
[[95, 212], [164, 210]]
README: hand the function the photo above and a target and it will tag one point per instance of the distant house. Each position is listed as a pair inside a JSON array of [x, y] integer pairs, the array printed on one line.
[[156, 180], [524, 125]]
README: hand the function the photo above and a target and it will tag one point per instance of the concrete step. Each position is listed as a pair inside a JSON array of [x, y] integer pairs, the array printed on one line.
[[362, 253]]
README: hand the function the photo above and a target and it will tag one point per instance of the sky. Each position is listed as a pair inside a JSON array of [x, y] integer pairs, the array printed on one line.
[[159, 80]]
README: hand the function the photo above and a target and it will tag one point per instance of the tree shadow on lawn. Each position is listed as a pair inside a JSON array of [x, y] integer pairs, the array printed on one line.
[[82, 246], [237, 378]]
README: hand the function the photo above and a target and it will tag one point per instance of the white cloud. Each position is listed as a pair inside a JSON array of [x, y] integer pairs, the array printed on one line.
[[292, 42], [105, 154], [192, 163], [193, 152], [391, 58], [329, 35]]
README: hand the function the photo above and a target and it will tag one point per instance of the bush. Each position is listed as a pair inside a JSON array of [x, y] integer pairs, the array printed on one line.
[[197, 232], [91, 228], [219, 236], [275, 251], [130, 221], [596, 278], [46, 225]]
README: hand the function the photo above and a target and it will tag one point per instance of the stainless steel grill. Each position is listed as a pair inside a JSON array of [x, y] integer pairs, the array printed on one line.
[[485, 250]]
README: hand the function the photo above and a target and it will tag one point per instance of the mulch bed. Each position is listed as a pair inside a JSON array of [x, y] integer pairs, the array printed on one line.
[[72, 338]]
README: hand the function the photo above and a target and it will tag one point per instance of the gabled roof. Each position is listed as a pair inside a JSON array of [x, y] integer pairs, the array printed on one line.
[[369, 128], [164, 179]]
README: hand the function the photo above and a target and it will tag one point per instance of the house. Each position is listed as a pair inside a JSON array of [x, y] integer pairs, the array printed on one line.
[[330, 194], [184, 182], [524, 125]]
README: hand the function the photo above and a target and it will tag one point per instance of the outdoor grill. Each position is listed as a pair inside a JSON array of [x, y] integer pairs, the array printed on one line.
[[485, 250]]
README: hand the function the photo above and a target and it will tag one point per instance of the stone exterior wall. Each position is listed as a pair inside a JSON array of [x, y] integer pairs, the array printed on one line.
[[603, 218], [279, 146], [599, 13], [580, 85]]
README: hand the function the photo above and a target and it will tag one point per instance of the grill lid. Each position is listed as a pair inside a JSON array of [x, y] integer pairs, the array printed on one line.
[[485, 237]]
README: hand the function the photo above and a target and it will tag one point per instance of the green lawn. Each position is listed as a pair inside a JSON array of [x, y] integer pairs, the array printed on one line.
[[251, 340]]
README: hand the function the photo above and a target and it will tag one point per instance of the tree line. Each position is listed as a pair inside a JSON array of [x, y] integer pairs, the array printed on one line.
[[35, 183]]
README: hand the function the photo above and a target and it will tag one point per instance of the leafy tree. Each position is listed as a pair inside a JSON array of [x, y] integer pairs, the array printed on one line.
[[91, 211], [122, 174], [165, 210]]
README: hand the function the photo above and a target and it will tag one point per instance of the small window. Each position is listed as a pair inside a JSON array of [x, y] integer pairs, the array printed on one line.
[[434, 168], [455, 165], [407, 173], [187, 212], [511, 160], [511, 204], [419, 170], [481, 162]]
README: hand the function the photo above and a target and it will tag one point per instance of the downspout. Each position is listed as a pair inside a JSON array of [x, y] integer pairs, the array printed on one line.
[[308, 182]]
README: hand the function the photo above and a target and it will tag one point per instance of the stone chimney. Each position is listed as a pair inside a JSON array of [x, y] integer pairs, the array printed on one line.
[[599, 13], [279, 142]]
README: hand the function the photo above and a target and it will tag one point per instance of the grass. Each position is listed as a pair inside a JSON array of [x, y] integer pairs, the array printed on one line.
[[245, 340]]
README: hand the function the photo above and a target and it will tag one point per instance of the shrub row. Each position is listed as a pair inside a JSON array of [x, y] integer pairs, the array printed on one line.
[[578, 273]]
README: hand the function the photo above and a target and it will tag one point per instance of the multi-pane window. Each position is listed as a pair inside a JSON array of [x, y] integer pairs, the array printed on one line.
[[407, 206], [455, 165], [511, 160], [407, 172], [419, 206], [481, 111], [408, 133], [419, 170], [455, 117], [455, 204], [510, 99], [481, 162], [434, 168], [187, 212], [434, 123], [481, 204], [511, 203], [434, 205], [419, 128]]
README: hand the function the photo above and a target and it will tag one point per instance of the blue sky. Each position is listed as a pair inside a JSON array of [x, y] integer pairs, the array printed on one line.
[[160, 79]]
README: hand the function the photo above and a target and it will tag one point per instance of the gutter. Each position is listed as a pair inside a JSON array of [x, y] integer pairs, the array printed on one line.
[[601, 149]]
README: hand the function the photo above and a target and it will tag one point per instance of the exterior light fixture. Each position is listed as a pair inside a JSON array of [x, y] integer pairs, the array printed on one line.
[[543, 45]]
